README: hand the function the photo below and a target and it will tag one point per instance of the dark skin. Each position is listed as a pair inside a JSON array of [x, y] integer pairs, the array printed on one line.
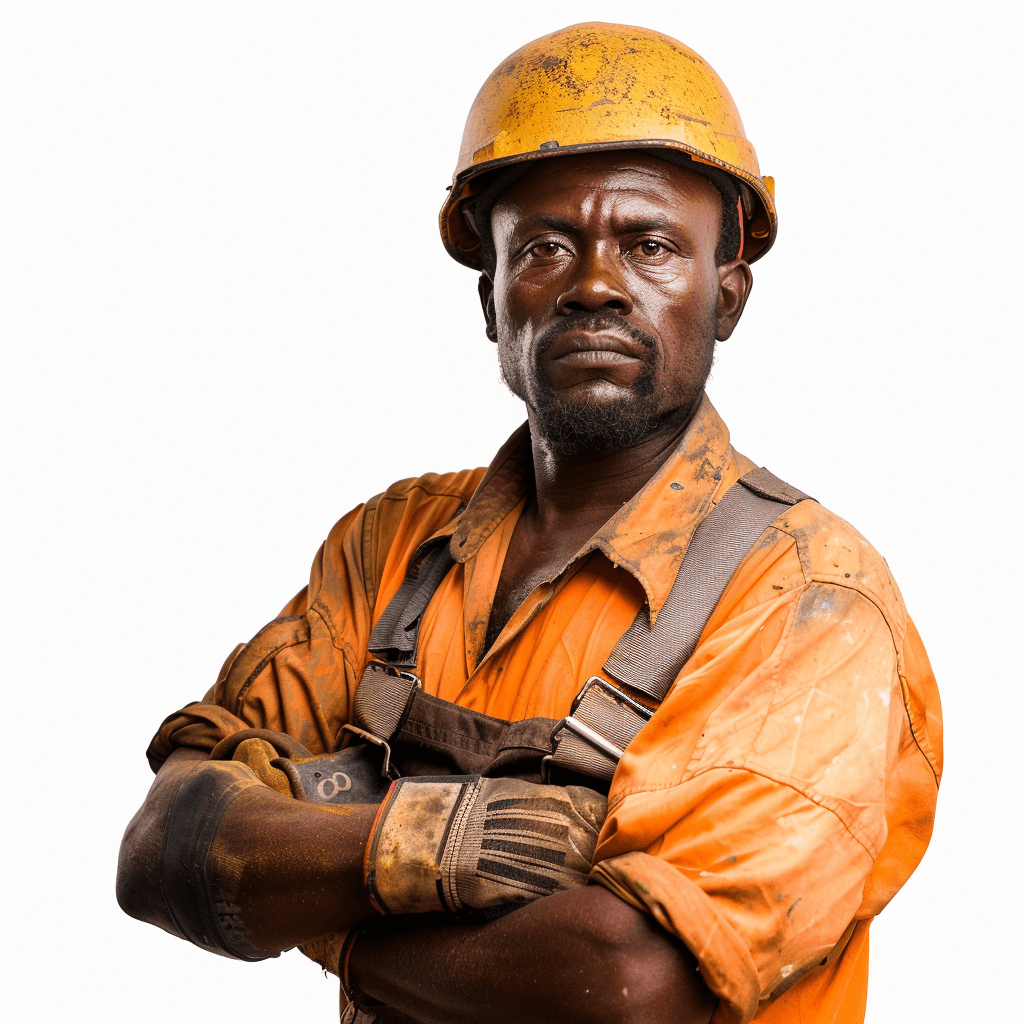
[[637, 236], [633, 237]]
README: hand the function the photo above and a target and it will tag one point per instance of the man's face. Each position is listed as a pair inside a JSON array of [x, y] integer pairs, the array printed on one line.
[[606, 296]]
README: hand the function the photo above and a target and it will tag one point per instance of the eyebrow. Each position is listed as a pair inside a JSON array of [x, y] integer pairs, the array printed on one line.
[[549, 220], [647, 224], [555, 223]]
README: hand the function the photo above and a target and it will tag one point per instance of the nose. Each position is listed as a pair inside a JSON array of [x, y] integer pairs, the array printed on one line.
[[596, 282]]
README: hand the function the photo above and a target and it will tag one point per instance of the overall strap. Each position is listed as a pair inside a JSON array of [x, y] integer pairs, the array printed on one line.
[[390, 704], [396, 635], [648, 659]]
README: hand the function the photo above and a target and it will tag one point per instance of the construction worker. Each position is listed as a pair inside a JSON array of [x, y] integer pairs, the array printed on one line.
[[622, 727]]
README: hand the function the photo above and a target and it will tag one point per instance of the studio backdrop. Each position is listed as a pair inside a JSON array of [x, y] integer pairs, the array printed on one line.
[[230, 319]]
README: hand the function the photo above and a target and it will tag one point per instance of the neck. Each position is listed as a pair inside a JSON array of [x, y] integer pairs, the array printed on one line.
[[586, 489]]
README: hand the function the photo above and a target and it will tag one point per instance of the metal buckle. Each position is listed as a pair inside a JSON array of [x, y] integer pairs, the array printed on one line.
[[616, 694], [589, 734], [409, 677], [594, 738], [387, 769]]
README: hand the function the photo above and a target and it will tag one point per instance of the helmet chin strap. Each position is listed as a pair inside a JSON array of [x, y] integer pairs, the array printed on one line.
[[739, 209]]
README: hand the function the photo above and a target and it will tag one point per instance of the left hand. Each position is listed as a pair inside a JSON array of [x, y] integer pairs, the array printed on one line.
[[347, 776]]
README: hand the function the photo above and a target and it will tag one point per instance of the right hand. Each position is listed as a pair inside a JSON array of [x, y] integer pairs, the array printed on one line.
[[465, 842]]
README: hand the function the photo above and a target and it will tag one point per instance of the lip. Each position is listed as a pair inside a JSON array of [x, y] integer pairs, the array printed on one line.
[[594, 348]]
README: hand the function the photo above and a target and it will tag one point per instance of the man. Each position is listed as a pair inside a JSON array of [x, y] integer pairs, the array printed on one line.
[[621, 728]]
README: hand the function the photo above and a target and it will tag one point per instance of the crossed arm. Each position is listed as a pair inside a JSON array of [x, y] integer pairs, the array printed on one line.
[[582, 955], [577, 955]]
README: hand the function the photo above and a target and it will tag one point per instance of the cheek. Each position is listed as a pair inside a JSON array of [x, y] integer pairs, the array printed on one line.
[[504, 301], [513, 336], [682, 284], [519, 308], [681, 308]]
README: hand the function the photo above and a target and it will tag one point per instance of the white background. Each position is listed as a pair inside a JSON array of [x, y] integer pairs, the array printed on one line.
[[229, 319]]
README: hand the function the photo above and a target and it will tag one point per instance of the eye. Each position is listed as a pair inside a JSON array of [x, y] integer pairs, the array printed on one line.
[[546, 250], [650, 248]]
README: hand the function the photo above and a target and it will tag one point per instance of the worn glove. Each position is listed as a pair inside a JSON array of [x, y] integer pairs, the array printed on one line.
[[349, 776], [461, 842], [213, 840]]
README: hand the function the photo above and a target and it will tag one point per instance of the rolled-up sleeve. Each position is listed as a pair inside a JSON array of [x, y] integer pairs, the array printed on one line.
[[753, 840]]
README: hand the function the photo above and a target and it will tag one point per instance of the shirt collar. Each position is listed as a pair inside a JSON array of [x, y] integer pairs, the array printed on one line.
[[649, 535]]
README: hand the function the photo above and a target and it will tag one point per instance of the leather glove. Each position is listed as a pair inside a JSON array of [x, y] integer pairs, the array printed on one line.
[[348, 776], [459, 842]]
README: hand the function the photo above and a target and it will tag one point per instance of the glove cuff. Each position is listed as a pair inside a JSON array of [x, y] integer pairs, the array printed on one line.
[[418, 821]]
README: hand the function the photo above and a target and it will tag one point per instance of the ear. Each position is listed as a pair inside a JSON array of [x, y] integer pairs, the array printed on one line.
[[485, 288], [734, 283]]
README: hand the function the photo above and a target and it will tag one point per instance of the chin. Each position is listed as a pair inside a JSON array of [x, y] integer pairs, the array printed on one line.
[[576, 423]]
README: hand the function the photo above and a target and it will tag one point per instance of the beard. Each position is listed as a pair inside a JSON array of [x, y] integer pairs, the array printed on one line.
[[573, 425]]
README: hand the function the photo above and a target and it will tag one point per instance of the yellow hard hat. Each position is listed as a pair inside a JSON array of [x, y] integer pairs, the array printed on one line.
[[594, 87]]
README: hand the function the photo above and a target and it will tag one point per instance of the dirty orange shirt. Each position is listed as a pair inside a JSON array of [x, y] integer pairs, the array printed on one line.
[[784, 790]]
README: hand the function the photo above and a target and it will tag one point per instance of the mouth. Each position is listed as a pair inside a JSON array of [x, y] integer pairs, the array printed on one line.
[[580, 348]]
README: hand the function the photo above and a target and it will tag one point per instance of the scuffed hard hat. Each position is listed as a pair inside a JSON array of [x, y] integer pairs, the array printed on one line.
[[595, 87]]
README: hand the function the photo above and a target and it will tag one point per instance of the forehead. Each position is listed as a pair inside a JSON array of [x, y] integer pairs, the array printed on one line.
[[588, 182]]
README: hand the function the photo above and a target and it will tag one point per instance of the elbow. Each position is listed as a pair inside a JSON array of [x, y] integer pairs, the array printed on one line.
[[137, 888], [163, 873], [126, 885]]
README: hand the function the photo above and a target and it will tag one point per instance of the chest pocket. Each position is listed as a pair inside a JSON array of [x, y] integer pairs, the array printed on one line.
[[423, 735]]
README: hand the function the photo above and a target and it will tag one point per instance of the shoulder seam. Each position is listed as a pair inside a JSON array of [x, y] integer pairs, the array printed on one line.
[[869, 596], [865, 592], [369, 577], [338, 642], [298, 635]]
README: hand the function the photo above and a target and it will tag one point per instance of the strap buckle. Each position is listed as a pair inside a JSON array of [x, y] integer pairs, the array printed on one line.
[[409, 677], [387, 769], [578, 725]]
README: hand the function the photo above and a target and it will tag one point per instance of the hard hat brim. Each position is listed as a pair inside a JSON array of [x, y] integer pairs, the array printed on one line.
[[463, 245]]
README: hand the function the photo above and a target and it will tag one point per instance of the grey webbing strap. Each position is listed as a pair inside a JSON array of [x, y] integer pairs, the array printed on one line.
[[647, 658], [395, 637], [603, 721], [381, 700], [765, 483]]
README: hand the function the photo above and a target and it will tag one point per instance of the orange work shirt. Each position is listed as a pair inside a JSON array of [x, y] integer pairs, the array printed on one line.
[[784, 790]]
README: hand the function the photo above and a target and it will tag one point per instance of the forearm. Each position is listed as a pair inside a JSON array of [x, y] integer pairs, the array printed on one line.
[[294, 870], [278, 871], [581, 955]]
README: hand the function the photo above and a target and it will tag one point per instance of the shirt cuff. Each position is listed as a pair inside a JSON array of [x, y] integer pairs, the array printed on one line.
[[201, 726], [682, 908]]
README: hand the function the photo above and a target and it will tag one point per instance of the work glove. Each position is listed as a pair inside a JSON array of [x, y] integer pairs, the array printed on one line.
[[349, 776], [462, 842], [214, 840]]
